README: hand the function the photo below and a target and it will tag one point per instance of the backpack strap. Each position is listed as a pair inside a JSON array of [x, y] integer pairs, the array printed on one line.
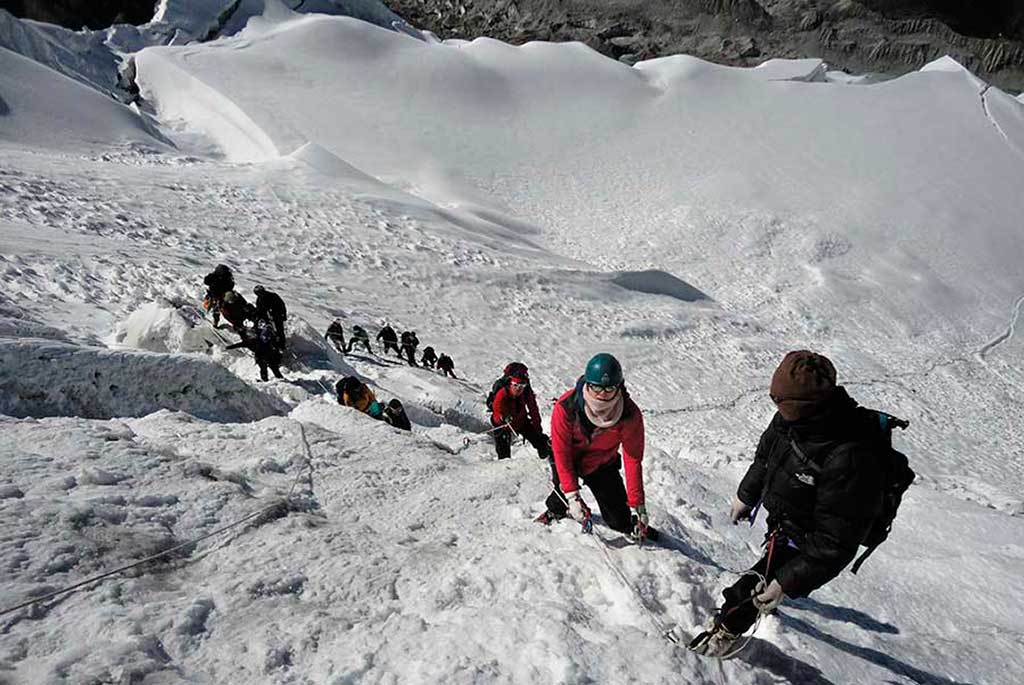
[[862, 558]]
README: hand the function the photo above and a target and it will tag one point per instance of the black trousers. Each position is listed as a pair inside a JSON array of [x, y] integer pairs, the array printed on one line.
[[739, 613], [338, 341], [610, 492], [388, 345], [539, 441], [362, 341], [608, 489], [279, 328], [274, 365], [410, 355], [556, 499], [448, 372]]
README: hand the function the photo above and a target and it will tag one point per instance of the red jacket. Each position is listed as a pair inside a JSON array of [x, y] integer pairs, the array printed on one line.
[[581, 448], [520, 411]]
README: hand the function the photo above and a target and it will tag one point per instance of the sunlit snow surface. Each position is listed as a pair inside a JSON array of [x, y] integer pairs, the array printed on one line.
[[538, 203]]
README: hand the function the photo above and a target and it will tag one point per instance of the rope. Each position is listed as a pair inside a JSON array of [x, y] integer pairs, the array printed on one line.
[[658, 624], [757, 621], [216, 332], [318, 381], [588, 524], [468, 440], [749, 633], [284, 502], [94, 579]]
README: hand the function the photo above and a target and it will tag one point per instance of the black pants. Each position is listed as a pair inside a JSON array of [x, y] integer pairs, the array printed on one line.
[[503, 442], [610, 492], [741, 614], [556, 499], [448, 372], [279, 327], [274, 365], [608, 489], [410, 355], [338, 341], [388, 345], [362, 341]]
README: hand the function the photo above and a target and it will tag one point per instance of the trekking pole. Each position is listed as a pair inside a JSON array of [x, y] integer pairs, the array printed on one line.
[[468, 439]]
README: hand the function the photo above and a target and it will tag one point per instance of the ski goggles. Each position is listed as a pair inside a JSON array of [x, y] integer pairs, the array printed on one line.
[[519, 384], [602, 389]]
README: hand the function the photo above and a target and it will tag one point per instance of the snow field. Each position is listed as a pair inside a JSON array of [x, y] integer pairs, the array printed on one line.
[[537, 203]]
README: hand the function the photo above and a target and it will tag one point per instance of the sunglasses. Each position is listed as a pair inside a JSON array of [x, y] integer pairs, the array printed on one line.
[[602, 389], [519, 384]]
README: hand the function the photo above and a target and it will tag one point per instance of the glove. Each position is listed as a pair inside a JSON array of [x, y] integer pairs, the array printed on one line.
[[578, 509], [639, 521], [740, 511], [546, 452], [768, 599]]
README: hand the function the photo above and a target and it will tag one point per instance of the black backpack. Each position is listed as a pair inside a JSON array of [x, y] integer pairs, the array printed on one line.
[[265, 332], [513, 369], [349, 384], [898, 477]]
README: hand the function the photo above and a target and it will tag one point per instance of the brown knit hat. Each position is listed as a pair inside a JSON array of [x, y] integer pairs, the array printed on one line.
[[803, 382]]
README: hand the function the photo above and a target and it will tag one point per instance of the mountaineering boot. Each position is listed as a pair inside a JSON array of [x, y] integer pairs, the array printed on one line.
[[716, 641], [649, 535], [548, 517]]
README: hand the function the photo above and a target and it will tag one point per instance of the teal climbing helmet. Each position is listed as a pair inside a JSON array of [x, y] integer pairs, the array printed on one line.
[[603, 369]]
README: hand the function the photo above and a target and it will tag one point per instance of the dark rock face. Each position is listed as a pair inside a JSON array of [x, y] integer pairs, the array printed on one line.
[[886, 36], [74, 14]]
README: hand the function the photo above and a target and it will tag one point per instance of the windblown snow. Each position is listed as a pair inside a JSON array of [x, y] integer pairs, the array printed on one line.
[[537, 203]]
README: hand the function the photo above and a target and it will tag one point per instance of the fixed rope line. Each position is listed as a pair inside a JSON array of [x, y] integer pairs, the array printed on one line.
[[656, 621], [160, 555], [318, 381], [282, 502]]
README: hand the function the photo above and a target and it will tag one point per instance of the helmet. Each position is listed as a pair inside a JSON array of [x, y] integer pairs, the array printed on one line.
[[518, 371], [603, 369], [258, 289], [230, 296]]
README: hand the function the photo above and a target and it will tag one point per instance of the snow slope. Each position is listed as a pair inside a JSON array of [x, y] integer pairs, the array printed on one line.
[[42, 108], [538, 203]]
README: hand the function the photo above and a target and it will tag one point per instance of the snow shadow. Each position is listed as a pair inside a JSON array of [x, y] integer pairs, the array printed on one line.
[[41, 378], [432, 415], [376, 361], [845, 615], [654, 282], [763, 654], [679, 545], [313, 387], [4, 109], [873, 655]]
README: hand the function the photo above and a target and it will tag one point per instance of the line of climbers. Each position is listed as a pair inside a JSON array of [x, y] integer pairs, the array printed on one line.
[[260, 326], [261, 329], [404, 346], [825, 471]]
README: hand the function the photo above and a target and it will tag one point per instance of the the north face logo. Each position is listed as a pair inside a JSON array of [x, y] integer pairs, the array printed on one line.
[[805, 478]]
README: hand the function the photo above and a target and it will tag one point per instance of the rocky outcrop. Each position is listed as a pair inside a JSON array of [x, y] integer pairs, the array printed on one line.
[[884, 36], [74, 14], [891, 36]]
